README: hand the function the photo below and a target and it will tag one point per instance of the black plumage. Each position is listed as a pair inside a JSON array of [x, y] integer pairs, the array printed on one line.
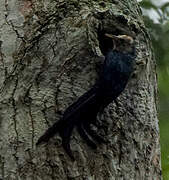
[[117, 68]]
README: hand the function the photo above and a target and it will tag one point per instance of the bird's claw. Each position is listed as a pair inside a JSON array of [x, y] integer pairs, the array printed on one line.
[[65, 130]]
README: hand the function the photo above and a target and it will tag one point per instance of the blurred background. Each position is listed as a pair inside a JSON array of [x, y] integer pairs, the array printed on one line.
[[156, 17]]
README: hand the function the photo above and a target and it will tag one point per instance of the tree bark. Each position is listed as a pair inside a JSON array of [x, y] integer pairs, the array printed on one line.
[[49, 56]]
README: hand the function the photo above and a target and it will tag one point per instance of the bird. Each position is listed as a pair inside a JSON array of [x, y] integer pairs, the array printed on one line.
[[119, 52]]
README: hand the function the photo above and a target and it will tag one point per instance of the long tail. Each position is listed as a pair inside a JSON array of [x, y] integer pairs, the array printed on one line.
[[69, 115], [87, 105], [49, 133]]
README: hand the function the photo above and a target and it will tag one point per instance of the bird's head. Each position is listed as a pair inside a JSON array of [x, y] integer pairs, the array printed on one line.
[[122, 43]]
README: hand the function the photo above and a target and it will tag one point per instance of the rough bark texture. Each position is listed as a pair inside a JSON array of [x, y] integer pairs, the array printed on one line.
[[49, 56]]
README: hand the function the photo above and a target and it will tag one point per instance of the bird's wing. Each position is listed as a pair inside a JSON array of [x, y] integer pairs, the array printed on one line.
[[83, 103]]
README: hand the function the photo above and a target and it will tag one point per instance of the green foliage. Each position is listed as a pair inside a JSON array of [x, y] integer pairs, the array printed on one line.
[[164, 124], [147, 4], [160, 38]]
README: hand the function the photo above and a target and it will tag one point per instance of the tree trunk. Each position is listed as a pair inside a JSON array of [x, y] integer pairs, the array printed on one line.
[[49, 56]]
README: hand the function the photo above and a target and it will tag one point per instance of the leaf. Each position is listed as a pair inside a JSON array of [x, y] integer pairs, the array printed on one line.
[[148, 5], [166, 27], [164, 7]]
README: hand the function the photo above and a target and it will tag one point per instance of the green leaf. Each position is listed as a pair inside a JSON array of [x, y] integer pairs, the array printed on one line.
[[147, 5], [166, 27], [164, 6]]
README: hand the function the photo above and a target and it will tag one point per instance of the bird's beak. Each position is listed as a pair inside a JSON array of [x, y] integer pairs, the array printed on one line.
[[122, 37], [111, 36]]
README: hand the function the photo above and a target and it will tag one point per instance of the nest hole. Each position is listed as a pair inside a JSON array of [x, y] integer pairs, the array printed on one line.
[[105, 42]]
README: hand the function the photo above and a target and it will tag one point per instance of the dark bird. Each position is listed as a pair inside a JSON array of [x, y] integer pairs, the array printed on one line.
[[117, 68]]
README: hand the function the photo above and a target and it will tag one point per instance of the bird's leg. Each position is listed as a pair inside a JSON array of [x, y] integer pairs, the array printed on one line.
[[85, 136], [95, 136]]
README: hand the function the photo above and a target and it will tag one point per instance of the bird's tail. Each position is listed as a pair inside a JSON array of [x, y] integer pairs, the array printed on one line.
[[49, 133]]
